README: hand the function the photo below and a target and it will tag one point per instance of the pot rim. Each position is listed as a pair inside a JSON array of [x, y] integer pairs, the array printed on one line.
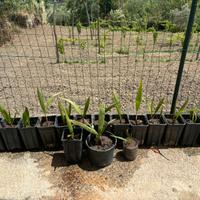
[[112, 147]]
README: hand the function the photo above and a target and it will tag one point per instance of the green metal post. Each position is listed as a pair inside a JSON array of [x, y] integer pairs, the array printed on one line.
[[184, 53]]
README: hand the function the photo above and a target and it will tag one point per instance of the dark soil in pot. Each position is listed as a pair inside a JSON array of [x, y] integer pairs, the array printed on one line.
[[73, 147], [101, 155], [130, 148], [139, 128], [156, 130], [11, 136], [30, 135], [48, 133], [191, 131], [173, 131], [120, 128]]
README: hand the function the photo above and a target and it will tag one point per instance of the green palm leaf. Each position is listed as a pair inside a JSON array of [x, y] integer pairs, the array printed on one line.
[[138, 99]]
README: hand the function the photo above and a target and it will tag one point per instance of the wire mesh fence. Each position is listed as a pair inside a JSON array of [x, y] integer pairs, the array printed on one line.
[[94, 61]]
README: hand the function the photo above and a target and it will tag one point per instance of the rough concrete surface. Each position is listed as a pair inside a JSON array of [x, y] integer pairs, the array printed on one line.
[[46, 175]]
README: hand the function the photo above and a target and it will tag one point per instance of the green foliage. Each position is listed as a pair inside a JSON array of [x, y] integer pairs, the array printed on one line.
[[138, 98], [154, 109], [60, 46], [79, 27], [26, 118], [81, 111], [117, 103], [6, 115], [62, 110], [194, 114], [69, 125], [179, 112], [102, 124], [45, 103]]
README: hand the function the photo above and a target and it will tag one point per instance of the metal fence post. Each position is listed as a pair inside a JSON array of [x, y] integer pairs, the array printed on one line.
[[54, 31], [184, 53]]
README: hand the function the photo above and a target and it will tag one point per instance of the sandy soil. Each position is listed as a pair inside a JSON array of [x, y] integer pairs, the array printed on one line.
[[30, 62], [47, 176]]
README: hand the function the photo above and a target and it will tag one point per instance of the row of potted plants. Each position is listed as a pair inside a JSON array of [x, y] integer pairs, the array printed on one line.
[[99, 133]]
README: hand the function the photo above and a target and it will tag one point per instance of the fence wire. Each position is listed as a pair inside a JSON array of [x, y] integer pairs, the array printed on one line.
[[29, 62]]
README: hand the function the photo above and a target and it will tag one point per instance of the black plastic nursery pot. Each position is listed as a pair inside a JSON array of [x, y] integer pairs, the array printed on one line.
[[156, 130], [191, 131], [72, 148], [138, 131], [130, 149], [11, 136], [48, 133], [2, 145], [174, 131], [95, 119], [120, 129], [29, 135], [89, 119], [97, 157], [60, 126]]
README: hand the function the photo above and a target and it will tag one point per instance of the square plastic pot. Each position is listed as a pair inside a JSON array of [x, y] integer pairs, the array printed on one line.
[[173, 131], [139, 131], [191, 131], [48, 134], [155, 132], [11, 136], [2, 145], [29, 135], [60, 127], [72, 148], [120, 129]]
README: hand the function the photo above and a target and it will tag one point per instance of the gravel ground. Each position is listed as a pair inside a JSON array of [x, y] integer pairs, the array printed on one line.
[[30, 62], [47, 176]]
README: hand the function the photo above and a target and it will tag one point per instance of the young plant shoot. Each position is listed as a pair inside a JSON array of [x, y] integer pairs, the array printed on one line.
[[26, 118], [62, 110], [154, 109], [138, 100], [179, 112], [45, 104], [194, 114], [102, 124], [69, 125], [117, 104], [6, 116], [81, 111]]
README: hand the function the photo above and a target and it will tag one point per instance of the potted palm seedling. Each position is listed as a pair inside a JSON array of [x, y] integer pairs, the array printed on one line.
[[28, 131], [139, 123], [100, 145], [72, 141], [175, 126], [46, 127], [130, 146], [60, 121], [9, 130], [192, 128], [82, 113], [121, 123], [157, 123]]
